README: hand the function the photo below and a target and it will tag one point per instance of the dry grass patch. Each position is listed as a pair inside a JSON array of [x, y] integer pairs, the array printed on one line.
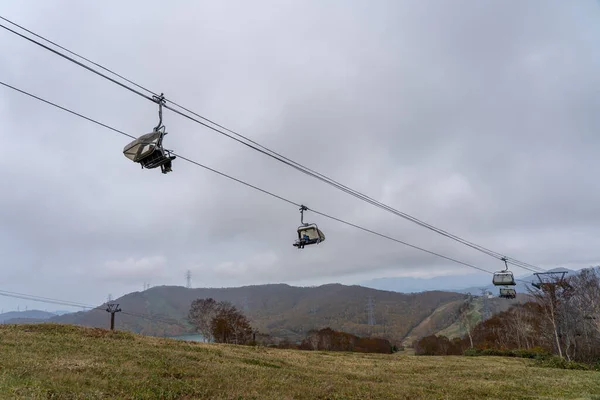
[[46, 361]]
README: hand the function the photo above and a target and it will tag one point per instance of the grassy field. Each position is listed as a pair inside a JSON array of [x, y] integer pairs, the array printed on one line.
[[62, 361]]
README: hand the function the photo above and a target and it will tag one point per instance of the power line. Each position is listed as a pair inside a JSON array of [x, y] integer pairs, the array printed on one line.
[[264, 150], [255, 187], [47, 300]]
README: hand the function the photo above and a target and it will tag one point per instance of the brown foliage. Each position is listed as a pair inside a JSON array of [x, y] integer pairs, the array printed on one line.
[[330, 340], [563, 319], [220, 321], [438, 346], [230, 326]]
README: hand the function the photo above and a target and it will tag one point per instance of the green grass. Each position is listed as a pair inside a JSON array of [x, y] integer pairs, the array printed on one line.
[[457, 329], [67, 362]]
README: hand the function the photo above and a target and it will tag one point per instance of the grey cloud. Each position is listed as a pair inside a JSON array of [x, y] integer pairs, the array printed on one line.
[[480, 118]]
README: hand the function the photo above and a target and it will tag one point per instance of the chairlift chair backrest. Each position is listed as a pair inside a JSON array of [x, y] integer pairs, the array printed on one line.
[[143, 146]]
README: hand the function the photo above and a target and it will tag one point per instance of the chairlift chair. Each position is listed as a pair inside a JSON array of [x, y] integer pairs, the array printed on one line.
[[505, 277], [308, 233], [147, 150], [508, 293]]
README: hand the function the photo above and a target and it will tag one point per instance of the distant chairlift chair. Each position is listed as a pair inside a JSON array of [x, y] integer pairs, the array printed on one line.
[[508, 293], [505, 278]]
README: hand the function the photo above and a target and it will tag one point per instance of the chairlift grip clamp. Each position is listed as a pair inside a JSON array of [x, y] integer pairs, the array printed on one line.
[[160, 100], [505, 262]]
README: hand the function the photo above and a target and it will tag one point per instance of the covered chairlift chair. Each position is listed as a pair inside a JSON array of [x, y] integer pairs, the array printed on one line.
[[505, 278], [308, 233], [148, 150], [508, 293]]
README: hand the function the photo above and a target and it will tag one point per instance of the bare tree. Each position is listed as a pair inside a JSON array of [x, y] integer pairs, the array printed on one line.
[[201, 314], [582, 316], [546, 297]]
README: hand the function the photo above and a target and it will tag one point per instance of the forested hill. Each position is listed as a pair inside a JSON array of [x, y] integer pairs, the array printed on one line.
[[30, 314], [278, 309]]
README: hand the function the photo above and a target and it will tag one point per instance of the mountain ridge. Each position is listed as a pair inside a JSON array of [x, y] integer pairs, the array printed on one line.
[[474, 282], [281, 310], [28, 314]]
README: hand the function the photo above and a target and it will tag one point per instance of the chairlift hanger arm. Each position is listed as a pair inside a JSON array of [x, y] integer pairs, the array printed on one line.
[[160, 100], [302, 209], [505, 263]]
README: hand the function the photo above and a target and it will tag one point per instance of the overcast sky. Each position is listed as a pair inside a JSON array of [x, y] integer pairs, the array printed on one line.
[[480, 117]]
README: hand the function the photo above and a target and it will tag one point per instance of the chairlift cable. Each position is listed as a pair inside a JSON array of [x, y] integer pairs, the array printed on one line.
[[48, 300], [265, 150], [77, 55], [253, 186]]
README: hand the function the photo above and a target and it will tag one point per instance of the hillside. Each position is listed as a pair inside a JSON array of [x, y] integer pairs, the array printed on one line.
[[472, 283], [61, 361], [448, 283], [29, 314], [444, 320], [278, 309], [522, 285]]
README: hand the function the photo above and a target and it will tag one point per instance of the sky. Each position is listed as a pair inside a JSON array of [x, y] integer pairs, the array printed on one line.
[[480, 118]]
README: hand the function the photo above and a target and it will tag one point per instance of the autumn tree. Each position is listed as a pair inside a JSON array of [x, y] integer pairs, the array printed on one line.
[[330, 340], [229, 325], [437, 346], [564, 319], [201, 314]]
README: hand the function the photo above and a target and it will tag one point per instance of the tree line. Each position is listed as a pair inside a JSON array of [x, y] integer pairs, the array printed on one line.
[[563, 318], [222, 322]]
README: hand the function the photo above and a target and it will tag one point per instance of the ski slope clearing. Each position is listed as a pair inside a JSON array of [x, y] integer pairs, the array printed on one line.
[[64, 361]]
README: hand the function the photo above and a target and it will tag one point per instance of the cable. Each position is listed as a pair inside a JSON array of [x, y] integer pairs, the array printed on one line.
[[58, 53], [252, 186], [399, 241], [266, 151], [369, 200], [48, 300], [77, 55]]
